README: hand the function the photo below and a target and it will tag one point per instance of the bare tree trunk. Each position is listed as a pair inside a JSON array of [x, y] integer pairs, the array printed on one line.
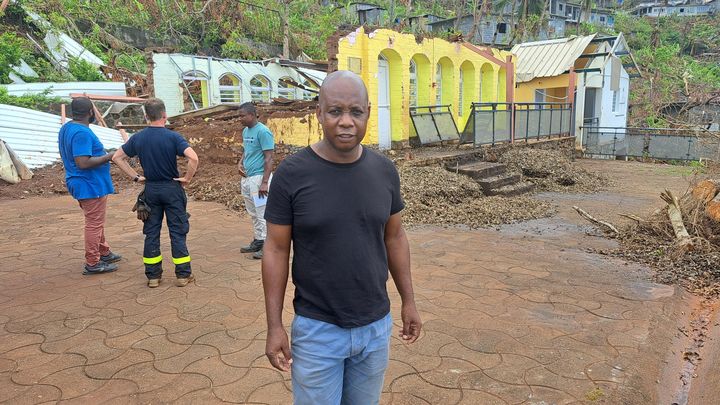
[[286, 29], [478, 13], [543, 16], [459, 7]]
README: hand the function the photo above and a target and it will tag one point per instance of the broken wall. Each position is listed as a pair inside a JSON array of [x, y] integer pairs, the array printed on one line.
[[237, 77]]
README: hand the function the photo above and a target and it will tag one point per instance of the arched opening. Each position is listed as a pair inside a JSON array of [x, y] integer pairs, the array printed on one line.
[[445, 89], [467, 88], [194, 88], [230, 89], [423, 79], [309, 95], [487, 84], [501, 86], [260, 89], [413, 84], [285, 90], [389, 103]]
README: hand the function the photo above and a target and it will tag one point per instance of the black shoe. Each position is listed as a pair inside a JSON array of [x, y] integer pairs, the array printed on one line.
[[100, 267], [254, 246], [110, 258]]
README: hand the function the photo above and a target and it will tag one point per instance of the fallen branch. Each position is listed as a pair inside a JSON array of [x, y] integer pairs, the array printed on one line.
[[633, 217], [675, 215], [606, 226]]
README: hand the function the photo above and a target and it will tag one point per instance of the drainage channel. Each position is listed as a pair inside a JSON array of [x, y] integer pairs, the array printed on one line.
[[695, 344]]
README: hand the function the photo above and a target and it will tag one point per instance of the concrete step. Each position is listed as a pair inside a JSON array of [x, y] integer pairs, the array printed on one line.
[[495, 182], [513, 190], [479, 170]]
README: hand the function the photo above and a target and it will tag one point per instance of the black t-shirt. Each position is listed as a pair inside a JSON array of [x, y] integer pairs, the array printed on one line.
[[338, 214], [157, 149]]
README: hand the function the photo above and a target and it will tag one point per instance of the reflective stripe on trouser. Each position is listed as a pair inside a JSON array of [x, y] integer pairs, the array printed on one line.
[[152, 260], [250, 186], [166, 199]]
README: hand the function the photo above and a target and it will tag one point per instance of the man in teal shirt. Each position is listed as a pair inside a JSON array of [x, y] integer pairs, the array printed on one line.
[[255, 166]]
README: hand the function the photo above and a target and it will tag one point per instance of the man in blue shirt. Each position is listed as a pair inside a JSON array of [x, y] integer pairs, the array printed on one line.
[[157, 148], [255, 166], [87, 175]]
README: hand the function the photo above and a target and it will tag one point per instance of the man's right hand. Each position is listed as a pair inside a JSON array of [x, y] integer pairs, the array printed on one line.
[[242, 172], [277, 349]]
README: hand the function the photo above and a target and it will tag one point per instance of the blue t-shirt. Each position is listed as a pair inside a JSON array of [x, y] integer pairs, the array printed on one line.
[[78, 140], [256, 140], [157, 148]]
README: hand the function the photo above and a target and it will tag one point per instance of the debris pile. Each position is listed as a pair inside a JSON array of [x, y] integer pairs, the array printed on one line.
[[434, 196], [217, 134], [681, 241], [552, 171], [693, 262]]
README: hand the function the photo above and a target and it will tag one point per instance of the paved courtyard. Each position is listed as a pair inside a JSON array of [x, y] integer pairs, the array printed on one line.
[[518, 314]]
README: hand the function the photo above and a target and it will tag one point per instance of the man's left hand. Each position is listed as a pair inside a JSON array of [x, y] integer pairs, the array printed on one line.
[[263, 191], [183, 180], [411, 323]]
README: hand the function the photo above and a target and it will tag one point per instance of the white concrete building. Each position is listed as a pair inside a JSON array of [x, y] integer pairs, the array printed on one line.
[[188, 82]]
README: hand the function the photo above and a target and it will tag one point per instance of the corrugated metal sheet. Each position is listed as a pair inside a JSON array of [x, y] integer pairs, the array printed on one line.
[[60, 45], [33, 135], [548, 58], [65, 89]]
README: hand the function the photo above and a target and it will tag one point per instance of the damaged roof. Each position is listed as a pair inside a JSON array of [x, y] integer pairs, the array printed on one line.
[[33, 135], [548, 58]]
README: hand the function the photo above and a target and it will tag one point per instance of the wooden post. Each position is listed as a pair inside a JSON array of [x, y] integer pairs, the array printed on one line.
[[98, 116], [3, 5], [510, 93], [571, 87], [62, 114]]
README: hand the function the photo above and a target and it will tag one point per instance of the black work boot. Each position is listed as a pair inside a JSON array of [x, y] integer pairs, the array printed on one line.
[[254, 246]]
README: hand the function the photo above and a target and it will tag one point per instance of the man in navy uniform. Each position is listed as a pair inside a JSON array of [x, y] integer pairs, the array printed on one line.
[[157, 148]]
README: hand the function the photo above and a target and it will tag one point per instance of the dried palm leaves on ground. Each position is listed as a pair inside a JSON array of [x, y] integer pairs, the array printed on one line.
[[654, 241], [551, 170], [435, 196]]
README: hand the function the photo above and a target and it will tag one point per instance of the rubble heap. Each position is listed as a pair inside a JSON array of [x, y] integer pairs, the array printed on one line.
[[693, 262], [435, 196], [550, 170]]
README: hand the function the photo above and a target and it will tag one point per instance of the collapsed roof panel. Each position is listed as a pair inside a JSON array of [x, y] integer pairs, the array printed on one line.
[[33, 135]]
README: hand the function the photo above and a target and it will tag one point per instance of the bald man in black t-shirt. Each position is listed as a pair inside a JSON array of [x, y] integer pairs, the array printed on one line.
[[340, 206]]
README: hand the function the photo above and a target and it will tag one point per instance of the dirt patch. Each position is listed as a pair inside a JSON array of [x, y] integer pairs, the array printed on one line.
[[218, 138], [434, 196], [49, 181], [552, 170]]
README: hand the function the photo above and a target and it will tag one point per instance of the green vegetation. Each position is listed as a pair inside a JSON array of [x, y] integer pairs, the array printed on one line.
[[36, 101], [675, 55], [11, 51], [84, 71]]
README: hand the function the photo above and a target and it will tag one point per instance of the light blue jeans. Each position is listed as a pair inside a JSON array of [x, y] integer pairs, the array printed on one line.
[[338, 366]]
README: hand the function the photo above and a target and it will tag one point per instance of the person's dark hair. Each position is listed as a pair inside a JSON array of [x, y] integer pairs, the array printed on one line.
[[248, 107], [154, 109], [80, 108]]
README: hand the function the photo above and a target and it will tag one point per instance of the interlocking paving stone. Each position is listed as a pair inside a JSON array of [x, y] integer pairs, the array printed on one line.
[[523, 314]]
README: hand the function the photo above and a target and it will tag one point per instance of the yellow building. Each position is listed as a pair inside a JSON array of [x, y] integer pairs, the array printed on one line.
[[585, 72], [401, 72]]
